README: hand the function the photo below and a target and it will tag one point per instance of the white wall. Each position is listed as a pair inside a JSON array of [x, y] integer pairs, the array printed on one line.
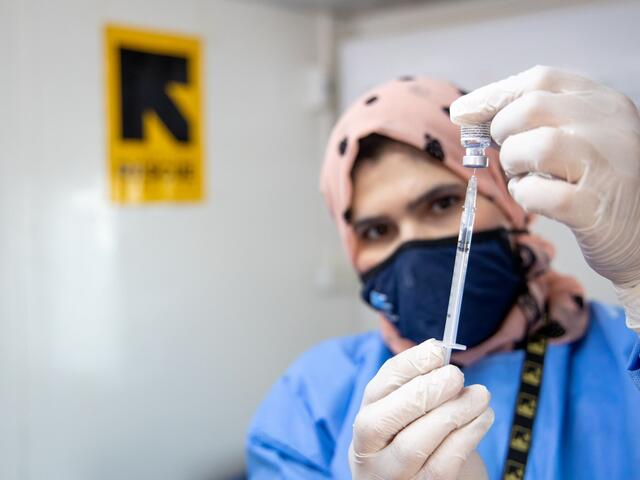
[[474, 43], [135, 342], [14, 261]]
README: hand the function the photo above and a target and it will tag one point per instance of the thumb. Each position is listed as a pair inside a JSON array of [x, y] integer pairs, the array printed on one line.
[[473, 468]]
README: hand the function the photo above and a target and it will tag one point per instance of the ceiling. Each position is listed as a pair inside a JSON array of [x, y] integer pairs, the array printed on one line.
[[346, 6]]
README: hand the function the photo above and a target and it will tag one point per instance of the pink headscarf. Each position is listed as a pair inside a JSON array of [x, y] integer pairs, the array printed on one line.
[[415, 111]]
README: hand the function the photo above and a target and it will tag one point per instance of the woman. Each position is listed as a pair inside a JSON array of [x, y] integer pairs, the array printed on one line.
[[394, 185]]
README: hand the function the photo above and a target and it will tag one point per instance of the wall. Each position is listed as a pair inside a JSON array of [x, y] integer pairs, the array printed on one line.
[[474, 43], [14, 262], [137, 341]]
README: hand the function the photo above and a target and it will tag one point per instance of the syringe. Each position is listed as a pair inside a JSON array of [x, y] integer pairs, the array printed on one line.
[[460, 269], [475, 139]]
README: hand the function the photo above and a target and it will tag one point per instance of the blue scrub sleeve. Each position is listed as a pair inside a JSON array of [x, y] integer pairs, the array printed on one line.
[[634, 364], [625, 343], [268, 461], [284, 441]]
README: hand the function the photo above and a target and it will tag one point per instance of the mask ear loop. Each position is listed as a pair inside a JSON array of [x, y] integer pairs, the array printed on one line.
[[526, 259], [524, 262]]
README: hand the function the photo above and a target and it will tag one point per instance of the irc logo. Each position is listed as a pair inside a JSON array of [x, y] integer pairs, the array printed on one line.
[[514, 471], [532, 373], [154, 124], [537, 346], [520, 438], [144, 80], [526, 406]]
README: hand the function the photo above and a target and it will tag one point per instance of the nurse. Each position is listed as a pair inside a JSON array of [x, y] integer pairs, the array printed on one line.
[[546, 388]]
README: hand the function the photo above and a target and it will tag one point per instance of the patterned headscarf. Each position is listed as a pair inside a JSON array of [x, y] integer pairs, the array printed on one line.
[[415, 111]]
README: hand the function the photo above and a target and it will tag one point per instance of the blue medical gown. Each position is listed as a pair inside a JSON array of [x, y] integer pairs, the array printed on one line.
[[587, 424]]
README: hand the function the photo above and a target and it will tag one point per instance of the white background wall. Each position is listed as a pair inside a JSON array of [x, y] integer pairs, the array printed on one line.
[[135, 342], [474, 43]]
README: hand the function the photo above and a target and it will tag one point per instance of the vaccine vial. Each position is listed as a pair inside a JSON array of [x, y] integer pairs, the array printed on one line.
[[475, 139]]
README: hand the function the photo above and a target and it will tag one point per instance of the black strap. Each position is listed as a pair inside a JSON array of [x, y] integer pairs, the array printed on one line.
[[521, 436]]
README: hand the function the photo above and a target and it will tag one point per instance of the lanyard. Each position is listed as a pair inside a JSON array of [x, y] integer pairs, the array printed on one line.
[[520, 438]]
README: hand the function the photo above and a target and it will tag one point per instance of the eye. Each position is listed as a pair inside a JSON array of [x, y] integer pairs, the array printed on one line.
[[374, 233], [446, 203]]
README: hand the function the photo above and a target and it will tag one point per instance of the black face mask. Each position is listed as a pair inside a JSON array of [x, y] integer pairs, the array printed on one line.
[[411, 288]]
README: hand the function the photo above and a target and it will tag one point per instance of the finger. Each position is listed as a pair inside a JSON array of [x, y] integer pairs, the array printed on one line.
[[555, 199], [402, 368], [378, 423], [413, 445], [547, 150], [446, 462], [532, 110], [482, 104]]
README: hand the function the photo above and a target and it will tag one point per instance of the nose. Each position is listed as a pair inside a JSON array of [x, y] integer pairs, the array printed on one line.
[[414, 229], [410, 230]]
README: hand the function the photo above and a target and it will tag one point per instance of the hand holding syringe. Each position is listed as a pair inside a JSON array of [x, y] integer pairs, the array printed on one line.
[[475, 139]]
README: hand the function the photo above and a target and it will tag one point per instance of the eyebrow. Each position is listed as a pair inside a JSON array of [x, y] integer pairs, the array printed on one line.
[[432, 194], [426, 197]]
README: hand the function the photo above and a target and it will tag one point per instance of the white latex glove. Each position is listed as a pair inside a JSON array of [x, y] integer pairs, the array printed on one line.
[[572, 150], [417, 421]]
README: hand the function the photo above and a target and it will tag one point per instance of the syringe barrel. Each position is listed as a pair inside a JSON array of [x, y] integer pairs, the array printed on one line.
[[468, 214], [460, 269]]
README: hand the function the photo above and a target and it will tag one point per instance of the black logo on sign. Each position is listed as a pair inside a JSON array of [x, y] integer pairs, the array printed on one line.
[[144, 78]]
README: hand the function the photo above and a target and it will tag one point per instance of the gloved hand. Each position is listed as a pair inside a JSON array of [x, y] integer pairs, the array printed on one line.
[[417, 421], [572, 150]]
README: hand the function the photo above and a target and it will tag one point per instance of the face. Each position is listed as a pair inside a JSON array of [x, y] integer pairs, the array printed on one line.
[[402, 196]]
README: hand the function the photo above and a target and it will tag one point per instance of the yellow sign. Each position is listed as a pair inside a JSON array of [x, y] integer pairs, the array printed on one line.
[[154, 104]]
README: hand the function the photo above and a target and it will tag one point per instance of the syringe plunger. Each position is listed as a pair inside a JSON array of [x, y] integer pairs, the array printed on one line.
[[475, 139]]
